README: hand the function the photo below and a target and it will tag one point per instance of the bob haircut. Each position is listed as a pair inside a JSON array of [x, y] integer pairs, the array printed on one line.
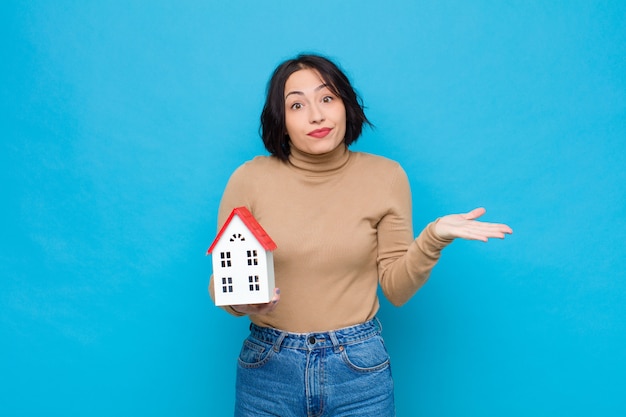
[[273, 131]]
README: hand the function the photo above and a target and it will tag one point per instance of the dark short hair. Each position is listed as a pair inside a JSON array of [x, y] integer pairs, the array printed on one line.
[[273, 129]]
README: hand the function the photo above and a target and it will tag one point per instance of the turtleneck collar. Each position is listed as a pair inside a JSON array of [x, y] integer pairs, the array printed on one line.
[[322, 164]]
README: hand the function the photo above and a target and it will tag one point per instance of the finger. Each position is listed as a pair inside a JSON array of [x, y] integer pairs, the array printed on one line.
[[477, 225], [495, 228], [476, 213], [276, 298], [484, 231]]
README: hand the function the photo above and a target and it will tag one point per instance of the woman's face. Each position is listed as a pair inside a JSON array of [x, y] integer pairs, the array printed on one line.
[[314, 116]]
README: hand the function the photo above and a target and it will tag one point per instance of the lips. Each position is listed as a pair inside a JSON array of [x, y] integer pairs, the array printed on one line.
[[320, 133]]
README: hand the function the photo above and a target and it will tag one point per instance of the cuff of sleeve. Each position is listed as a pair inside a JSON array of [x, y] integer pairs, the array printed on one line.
[[433, 241]]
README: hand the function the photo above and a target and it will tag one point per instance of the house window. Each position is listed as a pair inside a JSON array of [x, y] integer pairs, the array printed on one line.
[[254, 283], [237, 236], [252, 257], [227, 284], [225, 257]]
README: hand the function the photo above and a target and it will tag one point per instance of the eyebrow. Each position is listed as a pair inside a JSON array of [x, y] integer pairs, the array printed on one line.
[[300, 93]]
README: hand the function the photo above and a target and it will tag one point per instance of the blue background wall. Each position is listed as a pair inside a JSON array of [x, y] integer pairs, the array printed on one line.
[[121, 122]]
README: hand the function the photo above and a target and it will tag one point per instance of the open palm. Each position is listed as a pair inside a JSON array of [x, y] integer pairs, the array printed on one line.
[[465, 226]]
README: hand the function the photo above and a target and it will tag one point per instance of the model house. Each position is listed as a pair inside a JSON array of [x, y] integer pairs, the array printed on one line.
[[243, 263]]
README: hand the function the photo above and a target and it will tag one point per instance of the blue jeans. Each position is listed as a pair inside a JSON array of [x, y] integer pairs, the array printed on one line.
[[345, 372]]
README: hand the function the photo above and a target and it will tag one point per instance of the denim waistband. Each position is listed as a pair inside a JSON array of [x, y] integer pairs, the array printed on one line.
[[317, 340]]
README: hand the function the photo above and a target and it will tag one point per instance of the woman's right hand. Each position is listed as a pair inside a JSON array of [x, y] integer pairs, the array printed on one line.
[[259, 309]]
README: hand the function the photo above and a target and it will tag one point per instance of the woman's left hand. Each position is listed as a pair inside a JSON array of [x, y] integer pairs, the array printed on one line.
[[465, 226]]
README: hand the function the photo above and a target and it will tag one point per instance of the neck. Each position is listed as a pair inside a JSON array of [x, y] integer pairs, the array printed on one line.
[[320, 163]]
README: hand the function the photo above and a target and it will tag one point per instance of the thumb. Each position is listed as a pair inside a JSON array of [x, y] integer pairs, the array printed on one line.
[[476, 213]]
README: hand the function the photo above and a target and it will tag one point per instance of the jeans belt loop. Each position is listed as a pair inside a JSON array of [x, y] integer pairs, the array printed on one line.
[[279, 341], [378, 324], [336, 345]]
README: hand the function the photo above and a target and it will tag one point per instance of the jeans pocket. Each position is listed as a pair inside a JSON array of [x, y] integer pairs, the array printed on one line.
[[367, 356], [254, 353]]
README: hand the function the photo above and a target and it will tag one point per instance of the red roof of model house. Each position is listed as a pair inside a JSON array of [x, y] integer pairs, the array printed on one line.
[[248, 219]]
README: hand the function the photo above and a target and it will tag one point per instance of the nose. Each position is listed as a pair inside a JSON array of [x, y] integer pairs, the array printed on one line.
[[316, 115]]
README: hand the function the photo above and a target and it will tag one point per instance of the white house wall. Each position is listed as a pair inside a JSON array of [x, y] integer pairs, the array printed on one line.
[[269, 259], [239, 270]]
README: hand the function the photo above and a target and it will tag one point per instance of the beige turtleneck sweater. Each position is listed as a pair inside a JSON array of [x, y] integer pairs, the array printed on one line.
[[342, 224]]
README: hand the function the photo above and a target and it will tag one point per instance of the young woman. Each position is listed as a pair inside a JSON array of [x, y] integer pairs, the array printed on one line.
[[342, 224]]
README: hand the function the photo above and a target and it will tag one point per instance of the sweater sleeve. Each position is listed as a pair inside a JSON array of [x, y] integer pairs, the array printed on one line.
[[404, 263], [235, 195]]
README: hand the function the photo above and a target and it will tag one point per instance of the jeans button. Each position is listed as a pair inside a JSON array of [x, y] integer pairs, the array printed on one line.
[[312, 340]]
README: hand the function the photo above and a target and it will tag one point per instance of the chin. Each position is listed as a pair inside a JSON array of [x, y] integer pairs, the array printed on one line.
[[321, 151]]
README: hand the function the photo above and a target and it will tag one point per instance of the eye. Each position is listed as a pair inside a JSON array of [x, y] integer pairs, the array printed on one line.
[[296, 106], [327, 99]]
